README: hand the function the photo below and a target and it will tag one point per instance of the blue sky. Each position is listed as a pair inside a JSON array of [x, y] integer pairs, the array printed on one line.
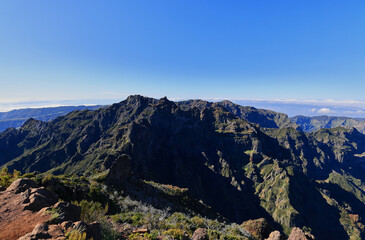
[[86, 51]]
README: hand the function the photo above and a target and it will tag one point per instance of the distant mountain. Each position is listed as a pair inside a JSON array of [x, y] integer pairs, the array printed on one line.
[[242, 162], [310, 124], [16, 118], [265, 118]]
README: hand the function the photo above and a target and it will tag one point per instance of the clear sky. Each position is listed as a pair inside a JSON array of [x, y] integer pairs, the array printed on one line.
[[90, 51]]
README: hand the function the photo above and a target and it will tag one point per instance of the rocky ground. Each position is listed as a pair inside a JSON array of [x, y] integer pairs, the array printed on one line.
[[29, 212], [26, 213], [14, 220]]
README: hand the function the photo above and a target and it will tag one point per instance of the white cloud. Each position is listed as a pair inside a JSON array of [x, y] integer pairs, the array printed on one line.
[[325, 111], [354, 112]]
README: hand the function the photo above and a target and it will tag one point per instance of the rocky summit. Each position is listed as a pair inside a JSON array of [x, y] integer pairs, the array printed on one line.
[[250, 169]]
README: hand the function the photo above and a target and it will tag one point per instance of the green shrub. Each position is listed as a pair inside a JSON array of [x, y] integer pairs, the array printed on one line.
[[176, 234], [29, 175], [95, 193], [215, 225], [55, 215], [153, 235], [230, 237], [135, 219], [76, 235], [91, 211], [198, 222], [213, 234], [107, 231], [6, 178], [49, 179], [180, 221], [146, 236]]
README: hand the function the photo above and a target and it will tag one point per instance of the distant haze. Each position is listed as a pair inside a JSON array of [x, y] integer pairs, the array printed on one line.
[[309, 107]]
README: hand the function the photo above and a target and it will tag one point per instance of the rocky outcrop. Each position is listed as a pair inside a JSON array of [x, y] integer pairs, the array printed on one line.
[[38, 198], [14, 220], [34, 197], [68, 211], [259, 228], [200, 234], [119, 171], [22, 184], [299, 234], [25, 214], [275, 235], [57, 231], [39, 232]]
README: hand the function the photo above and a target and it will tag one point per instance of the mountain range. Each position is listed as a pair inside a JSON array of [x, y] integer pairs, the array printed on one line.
[[16, 118], [265, 118], [244, 163], [310, 124]]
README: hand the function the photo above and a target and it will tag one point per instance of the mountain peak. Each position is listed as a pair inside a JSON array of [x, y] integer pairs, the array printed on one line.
[[164, 102]]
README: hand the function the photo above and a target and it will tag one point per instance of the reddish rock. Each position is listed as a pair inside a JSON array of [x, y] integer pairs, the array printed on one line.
[[200, 234], [21, 184], [40, 231], [39, 198], [14, 221], [275, 235], [354, 217], [298, 234], [66, 225], [55, 231]]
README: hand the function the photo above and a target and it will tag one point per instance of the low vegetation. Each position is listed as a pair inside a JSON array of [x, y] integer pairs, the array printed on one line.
[[6, 177], [117, 210]]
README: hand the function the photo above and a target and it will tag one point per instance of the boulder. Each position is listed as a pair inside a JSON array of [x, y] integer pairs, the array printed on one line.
[[93, 230], [55, 231], [275, 235], [21, 184], [299, 234], [68, 211], [39, 198], [200, 234], [259, 228], [45, 231], [40, 231], [66, 225], [119, 171]]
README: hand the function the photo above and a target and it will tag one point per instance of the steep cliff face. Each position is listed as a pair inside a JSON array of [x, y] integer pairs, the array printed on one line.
[[240, 168]]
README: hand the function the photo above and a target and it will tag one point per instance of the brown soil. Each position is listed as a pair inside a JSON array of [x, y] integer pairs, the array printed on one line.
[[14, 222]]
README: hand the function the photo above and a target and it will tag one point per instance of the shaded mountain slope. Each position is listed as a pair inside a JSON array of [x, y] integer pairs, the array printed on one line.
[[241, 170], [265, 118]]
